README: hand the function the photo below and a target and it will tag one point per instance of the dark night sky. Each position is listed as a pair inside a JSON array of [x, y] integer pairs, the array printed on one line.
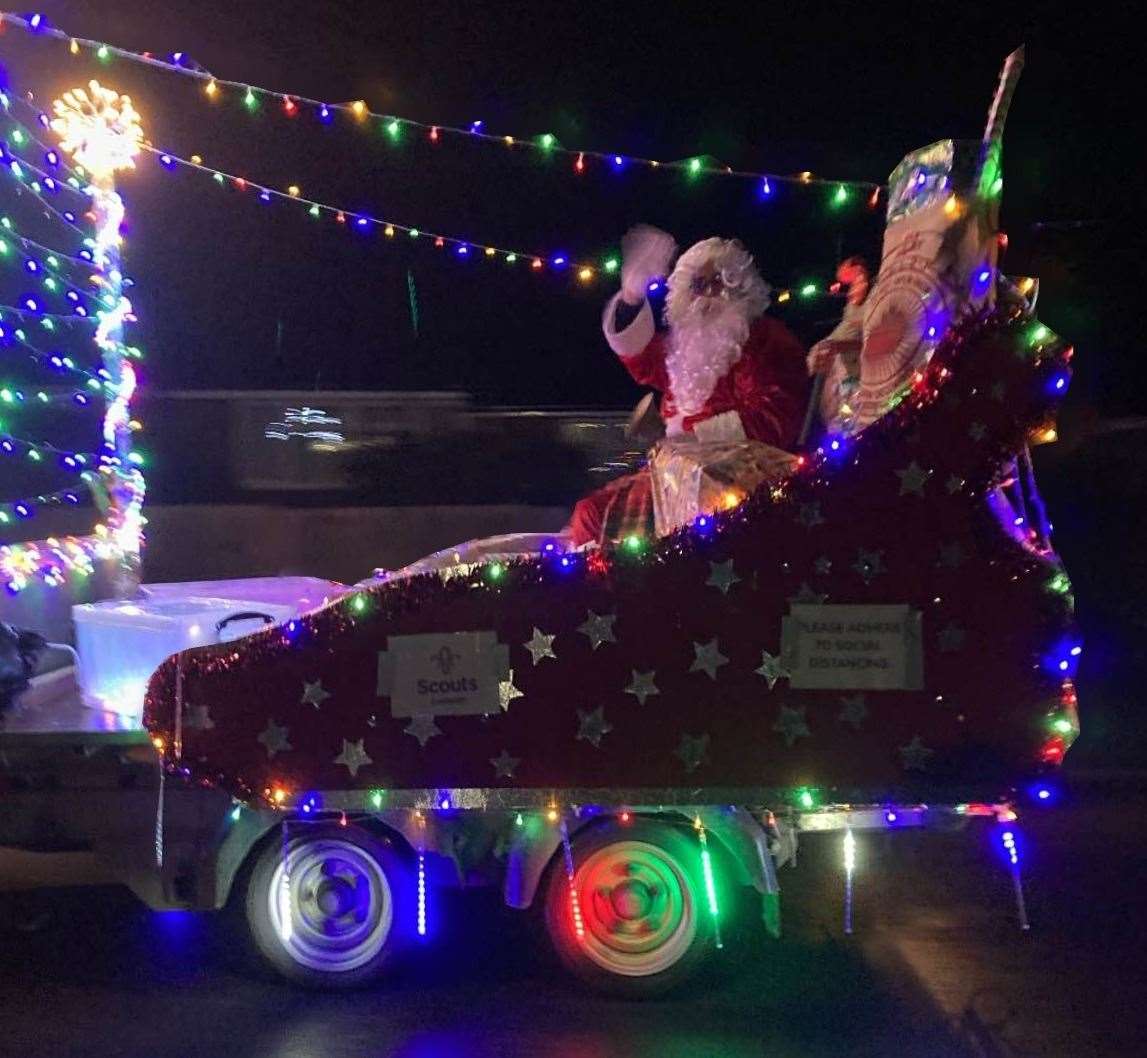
[[843, 90]]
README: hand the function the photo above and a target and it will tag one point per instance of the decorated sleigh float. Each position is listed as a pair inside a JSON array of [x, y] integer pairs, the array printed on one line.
[[888, 617], [879, 635]]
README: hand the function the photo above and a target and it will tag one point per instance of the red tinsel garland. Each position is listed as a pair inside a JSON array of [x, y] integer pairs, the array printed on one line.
[[902, 513]]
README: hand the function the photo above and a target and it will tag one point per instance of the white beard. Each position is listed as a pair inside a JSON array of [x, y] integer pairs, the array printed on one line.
[[705, 347]]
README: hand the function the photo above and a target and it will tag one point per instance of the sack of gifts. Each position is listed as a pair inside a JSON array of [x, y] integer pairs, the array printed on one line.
[[691, 478]]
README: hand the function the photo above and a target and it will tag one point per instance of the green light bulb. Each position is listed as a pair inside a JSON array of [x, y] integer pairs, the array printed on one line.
[[103, 53], [548, 140], [841, 196], [694, 166], [611, 265], [250, 100], [808, 290], [313, 211], [414, 233], [805, 798], [496, 570], [393, 128], [511, 258], [1062, 725]]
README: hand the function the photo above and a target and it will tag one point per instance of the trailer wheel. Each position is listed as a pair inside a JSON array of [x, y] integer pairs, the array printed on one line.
[[637, 927], [328, 908]]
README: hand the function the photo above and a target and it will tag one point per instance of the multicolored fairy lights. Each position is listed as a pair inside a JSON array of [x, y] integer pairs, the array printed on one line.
[[100, 130], [605, 265], [292, 105]]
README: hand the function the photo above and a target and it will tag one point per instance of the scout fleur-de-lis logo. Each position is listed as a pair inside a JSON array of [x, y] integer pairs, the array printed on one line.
[[445, 659]]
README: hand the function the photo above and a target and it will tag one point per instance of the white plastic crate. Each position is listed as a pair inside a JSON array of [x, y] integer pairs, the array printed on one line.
[[121, 643]]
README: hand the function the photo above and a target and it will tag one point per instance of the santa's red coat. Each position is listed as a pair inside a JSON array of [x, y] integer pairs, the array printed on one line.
[[766, 387]]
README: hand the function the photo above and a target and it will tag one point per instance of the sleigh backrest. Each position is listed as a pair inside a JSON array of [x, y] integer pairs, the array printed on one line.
[[938, 264]]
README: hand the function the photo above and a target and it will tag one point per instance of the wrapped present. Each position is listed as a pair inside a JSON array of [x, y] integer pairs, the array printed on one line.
[[691, 477]]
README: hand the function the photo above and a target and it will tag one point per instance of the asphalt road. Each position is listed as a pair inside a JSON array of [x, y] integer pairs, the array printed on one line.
[[935, 968]]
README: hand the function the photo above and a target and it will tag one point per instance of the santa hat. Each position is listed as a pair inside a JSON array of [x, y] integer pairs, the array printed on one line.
[[734, 264]]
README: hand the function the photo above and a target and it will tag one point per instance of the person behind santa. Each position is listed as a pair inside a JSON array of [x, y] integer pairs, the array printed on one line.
[[725, 370], [836, 357]]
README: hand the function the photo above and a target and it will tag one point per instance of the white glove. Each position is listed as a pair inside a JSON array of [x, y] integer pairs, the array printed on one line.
[[646, 253]]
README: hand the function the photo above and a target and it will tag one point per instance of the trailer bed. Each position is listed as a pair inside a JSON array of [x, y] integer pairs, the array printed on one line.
[[52, 711]]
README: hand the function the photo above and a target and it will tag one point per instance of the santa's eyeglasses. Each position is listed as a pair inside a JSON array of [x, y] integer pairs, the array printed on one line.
[[708, 285]]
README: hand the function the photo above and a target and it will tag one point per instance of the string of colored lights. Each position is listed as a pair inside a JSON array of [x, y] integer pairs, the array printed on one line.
[[584, 271], [83, 302], [292, 105], [363, 221], [53, 560], [94, 129], [41, 398], [26, 507], [53, 361]]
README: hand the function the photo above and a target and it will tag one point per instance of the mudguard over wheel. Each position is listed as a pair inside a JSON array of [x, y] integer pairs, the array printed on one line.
[[639, 925], [328, 905]]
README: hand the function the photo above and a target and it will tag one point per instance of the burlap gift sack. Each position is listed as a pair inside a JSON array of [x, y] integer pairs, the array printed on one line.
[[692, 478]]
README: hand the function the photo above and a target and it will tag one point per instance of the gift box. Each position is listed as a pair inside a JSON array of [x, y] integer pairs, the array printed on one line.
[[691, 478]]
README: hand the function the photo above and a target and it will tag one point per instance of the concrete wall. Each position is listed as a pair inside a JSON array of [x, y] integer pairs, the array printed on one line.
[[338, 543]]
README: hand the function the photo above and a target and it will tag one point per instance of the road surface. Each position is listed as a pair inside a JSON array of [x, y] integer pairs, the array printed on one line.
[[936, 968]]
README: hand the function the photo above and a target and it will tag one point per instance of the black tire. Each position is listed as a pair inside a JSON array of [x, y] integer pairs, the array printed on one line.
[[353, 884], [648, 934]]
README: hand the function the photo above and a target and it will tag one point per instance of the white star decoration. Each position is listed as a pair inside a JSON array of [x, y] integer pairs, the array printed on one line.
[[314, 693], [642, 686], [504, 764], [540, 646], [809, 515], [854, 710], [422, 728], [912, 479], [869, 564], [721, 576], [353, 756], [592, 727], [772, 669], [950, 638], [507, 692], [708, 658], [951, 556], [915, 755], [274, 738], [692, 751], [598, 628], [199, 718], [807, 597], [791, 724]]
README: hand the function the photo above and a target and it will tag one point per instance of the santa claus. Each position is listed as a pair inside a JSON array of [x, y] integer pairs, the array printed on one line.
[[725, 371]]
